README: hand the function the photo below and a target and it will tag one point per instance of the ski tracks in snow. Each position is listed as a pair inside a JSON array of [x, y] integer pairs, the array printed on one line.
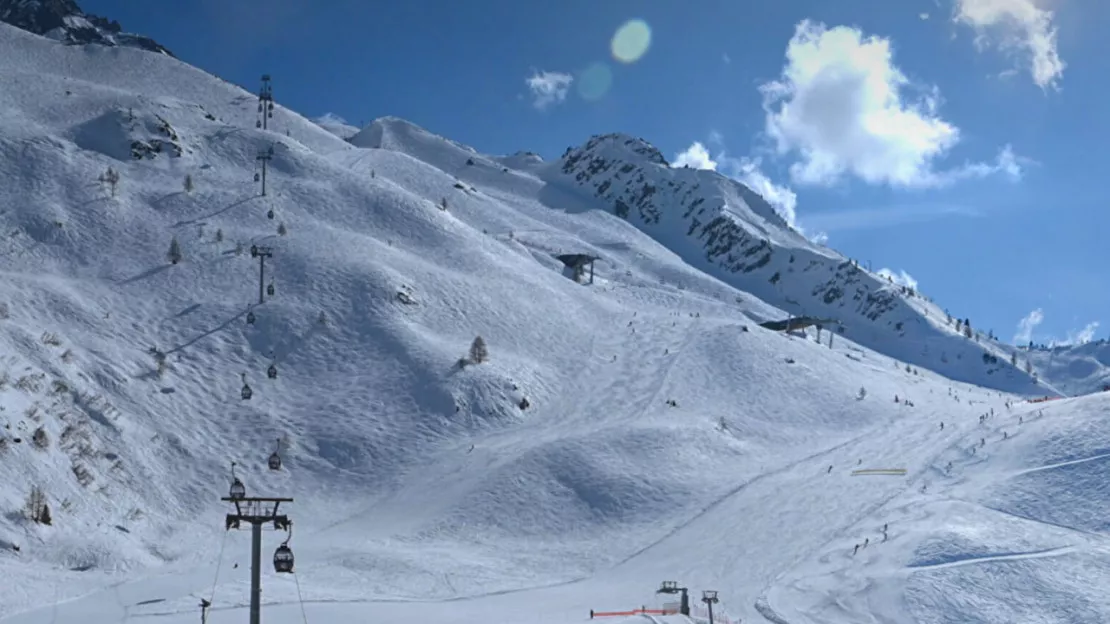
[[631, 384]]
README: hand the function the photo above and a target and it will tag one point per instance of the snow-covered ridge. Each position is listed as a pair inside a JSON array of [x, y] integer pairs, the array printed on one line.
[[1073, 369], [63, 20], [721, 226]]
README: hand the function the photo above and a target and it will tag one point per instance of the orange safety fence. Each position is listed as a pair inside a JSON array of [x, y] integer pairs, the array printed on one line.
[[1042, 399], [640, 611]]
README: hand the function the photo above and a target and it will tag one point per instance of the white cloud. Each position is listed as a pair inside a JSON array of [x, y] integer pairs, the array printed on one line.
[[548, 88], [923, 16], [1019, 28], [1036, 317], [331, 118], [745, 170], [726, 58], [695, 157], [841, 107], [784, 200], [1027, 325], [1084, 335], [900, 278]]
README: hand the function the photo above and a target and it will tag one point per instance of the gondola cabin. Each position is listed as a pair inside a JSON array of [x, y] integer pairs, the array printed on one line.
[[247, 393], [270, 290], [283, 559], [270, 214], [272, 372], [250, 318], [237, 490], [275, 461]]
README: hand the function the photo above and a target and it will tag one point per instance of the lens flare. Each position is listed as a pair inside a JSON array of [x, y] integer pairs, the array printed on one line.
[[594, 81], [631, 41]]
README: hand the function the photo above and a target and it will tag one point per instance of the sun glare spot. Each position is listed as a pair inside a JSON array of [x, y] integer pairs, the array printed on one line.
[[594, 81], [631, 41]]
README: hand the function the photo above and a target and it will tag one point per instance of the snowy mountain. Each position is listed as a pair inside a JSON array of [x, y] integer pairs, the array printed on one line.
[[1073, 369], [63, 20], [725, 229], [640, 428]]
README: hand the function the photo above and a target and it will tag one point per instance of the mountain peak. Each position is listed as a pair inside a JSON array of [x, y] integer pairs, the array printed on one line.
[[617, 146], [63, 20]]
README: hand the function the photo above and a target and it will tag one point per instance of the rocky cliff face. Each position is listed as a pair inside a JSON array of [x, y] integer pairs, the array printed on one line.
[[724, 228], [64, 21], [730, 223]]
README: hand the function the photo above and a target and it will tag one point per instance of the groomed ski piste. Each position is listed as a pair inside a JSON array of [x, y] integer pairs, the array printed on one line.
[[665, 435]]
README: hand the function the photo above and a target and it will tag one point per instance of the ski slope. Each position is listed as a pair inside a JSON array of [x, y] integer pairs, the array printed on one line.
[[666, 436]]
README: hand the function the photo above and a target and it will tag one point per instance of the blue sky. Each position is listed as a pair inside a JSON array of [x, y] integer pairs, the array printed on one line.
[[957, 141]]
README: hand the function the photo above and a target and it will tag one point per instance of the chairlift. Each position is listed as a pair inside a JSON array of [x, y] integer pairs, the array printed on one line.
[[270, 289], [272, 372], [270, 213], [283, 556], [250, 318], [275, 459]]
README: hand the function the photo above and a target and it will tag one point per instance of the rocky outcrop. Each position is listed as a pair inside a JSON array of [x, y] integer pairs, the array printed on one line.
[[64, 21]]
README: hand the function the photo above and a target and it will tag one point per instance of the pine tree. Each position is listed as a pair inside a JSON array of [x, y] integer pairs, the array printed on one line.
[[219, 236], [281, 230], [111, 178], [188, 185], [478, 351], [174, 254], [35, 504]]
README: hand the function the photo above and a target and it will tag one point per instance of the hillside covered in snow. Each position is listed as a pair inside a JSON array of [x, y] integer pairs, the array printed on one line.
[[63, 20], [612, 434]]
